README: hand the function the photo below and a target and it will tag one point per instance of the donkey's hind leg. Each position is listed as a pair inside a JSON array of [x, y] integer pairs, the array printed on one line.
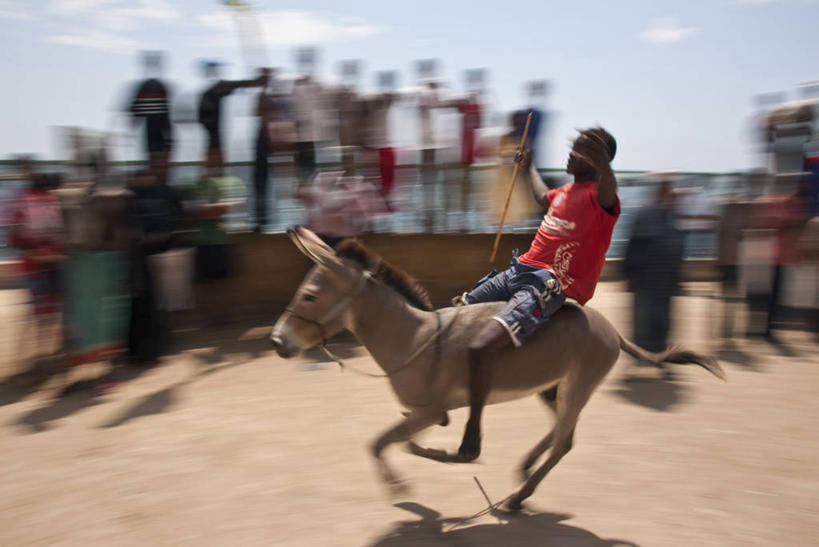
[[571, 400], [549, 397], [403, 430]]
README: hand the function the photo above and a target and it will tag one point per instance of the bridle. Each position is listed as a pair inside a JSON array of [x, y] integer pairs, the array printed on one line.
[[331, 314], [336, 310]]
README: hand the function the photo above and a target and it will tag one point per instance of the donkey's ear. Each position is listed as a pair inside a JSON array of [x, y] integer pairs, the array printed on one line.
[[313, 247]]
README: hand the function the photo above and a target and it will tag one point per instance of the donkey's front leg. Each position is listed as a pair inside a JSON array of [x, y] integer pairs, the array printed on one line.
[[416, 421]]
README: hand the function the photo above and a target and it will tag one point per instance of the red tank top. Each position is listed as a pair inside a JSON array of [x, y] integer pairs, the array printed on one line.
[[573, 238]]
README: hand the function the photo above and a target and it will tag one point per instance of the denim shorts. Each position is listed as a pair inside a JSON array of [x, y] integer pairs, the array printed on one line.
[[533, 295]]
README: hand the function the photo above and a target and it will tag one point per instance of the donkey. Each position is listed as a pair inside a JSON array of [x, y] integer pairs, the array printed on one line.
[[423, 352]]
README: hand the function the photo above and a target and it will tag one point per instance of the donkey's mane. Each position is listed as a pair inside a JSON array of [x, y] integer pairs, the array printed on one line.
[[353, 249]]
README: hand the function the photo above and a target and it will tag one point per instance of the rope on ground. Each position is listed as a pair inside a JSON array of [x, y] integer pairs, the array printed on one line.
[[492, 507]]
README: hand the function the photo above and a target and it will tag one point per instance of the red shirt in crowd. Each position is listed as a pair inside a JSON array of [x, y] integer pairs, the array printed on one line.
[[470, 124], [37, 222], [573, 238]]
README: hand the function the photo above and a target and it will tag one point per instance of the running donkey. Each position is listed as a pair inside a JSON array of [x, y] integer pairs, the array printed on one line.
[[450, 358], [424, 352]]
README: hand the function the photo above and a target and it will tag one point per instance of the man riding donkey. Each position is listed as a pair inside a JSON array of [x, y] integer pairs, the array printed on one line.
[[564, 261]]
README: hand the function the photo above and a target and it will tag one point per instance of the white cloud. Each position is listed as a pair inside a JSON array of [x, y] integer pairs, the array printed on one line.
[[667, 30], [97, 39], [73, 7], [115, 24], [157, 10], [120, 18], [285, 28], [14, 9], [107, 24], [754, 2]]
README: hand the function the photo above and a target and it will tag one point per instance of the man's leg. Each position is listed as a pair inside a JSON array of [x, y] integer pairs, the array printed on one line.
[[492, 338], [429, 187], [773, 302], [662, 307], [643, 316], [537, 296], [260, 174]]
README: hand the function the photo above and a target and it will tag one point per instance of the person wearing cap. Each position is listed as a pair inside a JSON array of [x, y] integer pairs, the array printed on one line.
[[210, 106]]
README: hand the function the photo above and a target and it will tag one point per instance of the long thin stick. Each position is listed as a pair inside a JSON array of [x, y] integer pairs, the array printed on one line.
[[491, 505], [511, 188], [482, 490]]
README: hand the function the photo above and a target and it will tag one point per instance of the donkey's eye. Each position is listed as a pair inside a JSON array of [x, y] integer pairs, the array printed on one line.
[[308, 297]]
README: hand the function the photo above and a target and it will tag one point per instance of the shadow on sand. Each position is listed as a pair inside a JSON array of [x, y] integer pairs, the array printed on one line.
[[731, 352], [511, 529], [655, 393]]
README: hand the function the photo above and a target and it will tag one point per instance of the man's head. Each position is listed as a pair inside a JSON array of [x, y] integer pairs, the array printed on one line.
[[152, 62], [212, 69], [588, 139]]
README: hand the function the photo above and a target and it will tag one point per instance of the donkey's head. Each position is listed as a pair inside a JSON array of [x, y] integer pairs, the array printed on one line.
[[318, 309]]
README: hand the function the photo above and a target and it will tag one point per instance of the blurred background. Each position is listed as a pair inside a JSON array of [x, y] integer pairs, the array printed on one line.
[[153, 152]]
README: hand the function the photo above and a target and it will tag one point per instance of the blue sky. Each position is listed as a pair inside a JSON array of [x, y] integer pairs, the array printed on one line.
[[674, 81]]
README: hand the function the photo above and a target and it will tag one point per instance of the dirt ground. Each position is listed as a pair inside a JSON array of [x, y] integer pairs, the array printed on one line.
[[224, 443]]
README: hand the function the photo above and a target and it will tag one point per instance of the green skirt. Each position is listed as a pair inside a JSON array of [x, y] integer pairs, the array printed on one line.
[[97, 304]]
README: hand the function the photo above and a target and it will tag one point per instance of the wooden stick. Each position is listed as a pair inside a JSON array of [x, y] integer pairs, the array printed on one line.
[[511, 188], [486, 497]]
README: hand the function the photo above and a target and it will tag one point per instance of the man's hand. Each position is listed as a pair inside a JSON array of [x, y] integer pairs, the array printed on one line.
[[524, 159]]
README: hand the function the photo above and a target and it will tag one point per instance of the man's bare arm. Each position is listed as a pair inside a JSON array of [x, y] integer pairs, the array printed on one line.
[[607, 188], [593, 150], [539, 188]]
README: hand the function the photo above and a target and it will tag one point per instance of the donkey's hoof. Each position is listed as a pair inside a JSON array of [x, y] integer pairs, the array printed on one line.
[[470, 448], [445, 420], [514, 504]]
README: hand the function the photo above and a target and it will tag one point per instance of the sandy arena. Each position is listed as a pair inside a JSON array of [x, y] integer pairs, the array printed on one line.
[[224, 443]]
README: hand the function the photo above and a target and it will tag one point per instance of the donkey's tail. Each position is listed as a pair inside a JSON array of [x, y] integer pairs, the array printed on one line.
[[673, 355]]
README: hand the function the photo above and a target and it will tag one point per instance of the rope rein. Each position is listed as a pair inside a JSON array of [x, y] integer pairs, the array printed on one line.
[[436, 337]]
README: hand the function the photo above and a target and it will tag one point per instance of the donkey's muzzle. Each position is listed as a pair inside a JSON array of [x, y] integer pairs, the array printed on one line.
[[281, 347]]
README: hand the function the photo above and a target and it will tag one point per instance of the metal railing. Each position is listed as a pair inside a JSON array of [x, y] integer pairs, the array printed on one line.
[[285, 209]]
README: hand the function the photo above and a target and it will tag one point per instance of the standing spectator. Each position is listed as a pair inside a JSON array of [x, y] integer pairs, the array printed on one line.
[[156, 213], [376, 133], [339, 206], [521, 204], [733, 221], [37, 231], [784, 213], [470, 110], [536, 96], [307, 100], [429, 170], [151, 104], [351, 111], [266, 111], [428, 101], [210, 108], [215, 259], [652, 267]]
